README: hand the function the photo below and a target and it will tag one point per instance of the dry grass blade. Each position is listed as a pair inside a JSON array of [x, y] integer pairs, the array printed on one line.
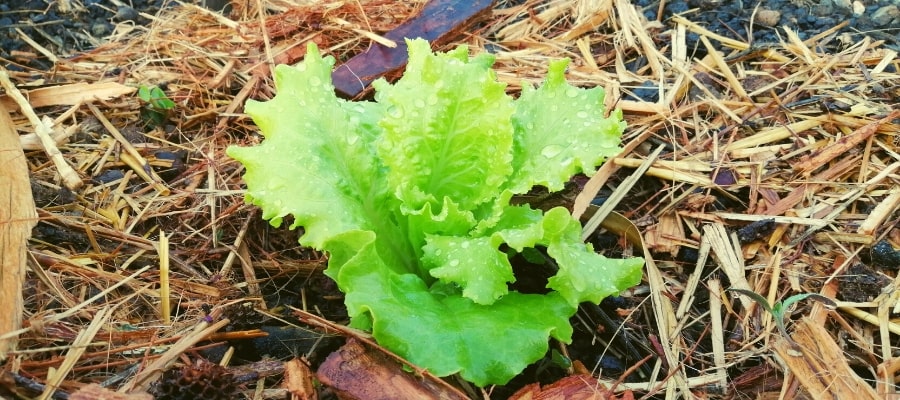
[[77, 349], [141, 381], [620, 193], [43, 130]]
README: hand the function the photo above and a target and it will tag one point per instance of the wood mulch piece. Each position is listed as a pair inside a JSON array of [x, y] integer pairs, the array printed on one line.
[[766, 168]]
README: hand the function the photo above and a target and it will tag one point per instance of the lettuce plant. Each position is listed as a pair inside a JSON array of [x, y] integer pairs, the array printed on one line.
[[410, 196]]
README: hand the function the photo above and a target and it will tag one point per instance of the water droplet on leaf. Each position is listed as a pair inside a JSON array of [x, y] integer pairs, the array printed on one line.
[[551, 150], [395, 112]]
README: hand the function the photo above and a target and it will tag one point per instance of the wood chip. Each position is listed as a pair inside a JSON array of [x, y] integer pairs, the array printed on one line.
[[820, 366], [356, 372], [17, 218]]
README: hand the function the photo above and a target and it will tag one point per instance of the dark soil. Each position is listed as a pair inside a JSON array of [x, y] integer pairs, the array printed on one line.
[[878, 19], [64, 27]]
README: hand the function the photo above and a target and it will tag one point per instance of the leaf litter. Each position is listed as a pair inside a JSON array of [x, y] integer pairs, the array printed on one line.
[[802, 133]]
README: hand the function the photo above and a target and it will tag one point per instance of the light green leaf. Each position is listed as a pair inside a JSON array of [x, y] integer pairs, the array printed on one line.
[[560, 130], [451, 221], [319, 165], [584, 276], [452, 334], [447, 129], [519, 227], [472, 263]]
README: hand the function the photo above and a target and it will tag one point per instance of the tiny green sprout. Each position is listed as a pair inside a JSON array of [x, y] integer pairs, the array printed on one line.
[[560, 360], [158, 105], [781, 309], [156, 98]]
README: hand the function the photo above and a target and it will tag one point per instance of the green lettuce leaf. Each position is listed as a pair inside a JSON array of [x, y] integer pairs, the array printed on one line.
[[410, 196], [560, 131], [446, 126]]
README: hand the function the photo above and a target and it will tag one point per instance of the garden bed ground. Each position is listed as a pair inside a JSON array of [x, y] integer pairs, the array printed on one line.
[[767, 164]]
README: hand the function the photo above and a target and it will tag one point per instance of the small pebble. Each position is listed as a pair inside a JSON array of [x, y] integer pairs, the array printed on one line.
[[125, 13], [768, 17], [843, 4], [108, 176], [858, 8], [887, 16], [884, 255], [99, 29], [823, 9]]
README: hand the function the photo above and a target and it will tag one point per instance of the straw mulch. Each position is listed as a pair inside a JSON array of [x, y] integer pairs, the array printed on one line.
[[129, 275]]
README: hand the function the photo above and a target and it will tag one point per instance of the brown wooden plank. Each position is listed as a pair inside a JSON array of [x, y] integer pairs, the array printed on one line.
[[439, 22]]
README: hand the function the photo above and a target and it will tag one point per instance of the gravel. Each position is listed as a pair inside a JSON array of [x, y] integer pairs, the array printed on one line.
[[879, 19], [64, 27]]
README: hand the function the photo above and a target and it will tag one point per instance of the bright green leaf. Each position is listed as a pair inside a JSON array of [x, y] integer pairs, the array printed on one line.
[[560, 131], [473, 263], [446, 126]]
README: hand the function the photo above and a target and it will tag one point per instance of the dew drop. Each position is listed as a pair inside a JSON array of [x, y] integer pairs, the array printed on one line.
[[551, 150], [438, 252], [571, 92], [454, 263], [419, 103], [432, 100], [315, 81], [464, 245], [582, 114], [395, 112]]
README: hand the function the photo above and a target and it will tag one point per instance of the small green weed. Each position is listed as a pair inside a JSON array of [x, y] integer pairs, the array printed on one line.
[[158, 107], [781, 309]]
